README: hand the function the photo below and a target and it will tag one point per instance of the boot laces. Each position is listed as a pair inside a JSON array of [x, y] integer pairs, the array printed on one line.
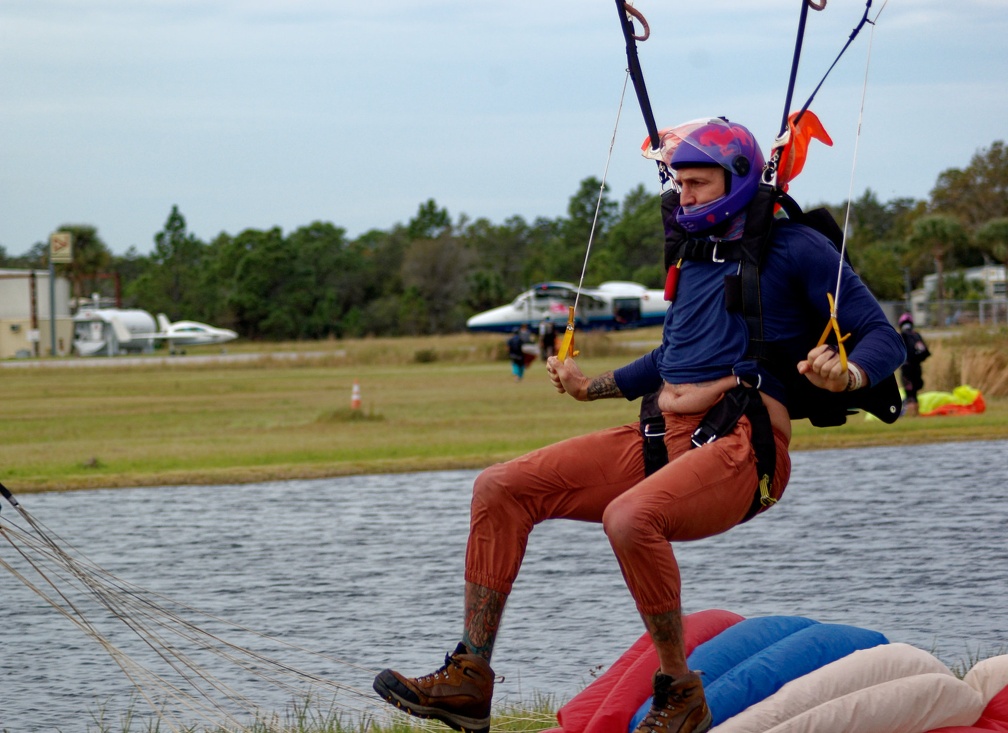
[[441, 672], [655, 718]]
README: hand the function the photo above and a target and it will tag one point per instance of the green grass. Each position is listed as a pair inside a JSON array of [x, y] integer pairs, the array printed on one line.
[[311, 716], [430, 403]]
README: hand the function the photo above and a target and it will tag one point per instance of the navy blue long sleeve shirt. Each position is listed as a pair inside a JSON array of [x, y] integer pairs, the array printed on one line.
[[703, 341]]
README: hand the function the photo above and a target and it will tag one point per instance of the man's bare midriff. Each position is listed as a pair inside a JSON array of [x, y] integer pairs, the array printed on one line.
[[700, 397]]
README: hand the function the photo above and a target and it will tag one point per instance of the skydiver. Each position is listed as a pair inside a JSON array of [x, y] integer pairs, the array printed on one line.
[[714, 468]]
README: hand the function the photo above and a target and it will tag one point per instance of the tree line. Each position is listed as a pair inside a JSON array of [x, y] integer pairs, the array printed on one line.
[[428, 275]]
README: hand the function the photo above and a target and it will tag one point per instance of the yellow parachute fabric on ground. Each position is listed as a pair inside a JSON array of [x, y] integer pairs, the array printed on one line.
[[961, 400]]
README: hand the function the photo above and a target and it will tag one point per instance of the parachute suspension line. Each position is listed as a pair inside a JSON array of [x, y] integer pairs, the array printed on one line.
[[834, 298], [627, 14], [69, 579], [567, 343], [772, 165], [857, 139], [850, 40]]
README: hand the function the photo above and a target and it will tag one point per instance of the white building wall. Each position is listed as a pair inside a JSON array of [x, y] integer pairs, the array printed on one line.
[[16, 334]]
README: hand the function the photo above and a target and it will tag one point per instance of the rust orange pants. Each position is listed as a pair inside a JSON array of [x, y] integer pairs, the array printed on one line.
[[600, 478]]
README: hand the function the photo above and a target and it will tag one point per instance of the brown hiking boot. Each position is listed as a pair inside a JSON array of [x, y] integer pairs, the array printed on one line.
[[458, 694], [679, 706]]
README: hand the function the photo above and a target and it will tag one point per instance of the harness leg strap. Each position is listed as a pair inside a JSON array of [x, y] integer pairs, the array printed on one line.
[[765, 448], [722, 419], [652, 427]]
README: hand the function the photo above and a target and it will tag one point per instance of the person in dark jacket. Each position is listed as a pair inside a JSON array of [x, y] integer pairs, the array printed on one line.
[[516, 352], [547, 337], [911, 373]]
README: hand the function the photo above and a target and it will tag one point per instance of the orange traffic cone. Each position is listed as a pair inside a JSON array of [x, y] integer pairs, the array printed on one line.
[[355, 396]]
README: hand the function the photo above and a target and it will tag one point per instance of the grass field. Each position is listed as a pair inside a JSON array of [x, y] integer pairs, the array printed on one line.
[[427, 403]]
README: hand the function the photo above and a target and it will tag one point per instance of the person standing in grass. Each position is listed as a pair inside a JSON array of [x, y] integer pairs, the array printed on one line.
[[547, 337], [714, 451], [911, 372], [516, 352]]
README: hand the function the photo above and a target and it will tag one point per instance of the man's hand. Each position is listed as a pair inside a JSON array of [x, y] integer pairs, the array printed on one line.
[[824, 370], [566, 376]]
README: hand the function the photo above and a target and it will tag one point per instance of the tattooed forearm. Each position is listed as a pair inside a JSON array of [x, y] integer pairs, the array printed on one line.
[[603, 385]]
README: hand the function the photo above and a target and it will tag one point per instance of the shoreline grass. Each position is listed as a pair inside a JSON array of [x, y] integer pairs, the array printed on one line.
[[313, 716], [433, 403]]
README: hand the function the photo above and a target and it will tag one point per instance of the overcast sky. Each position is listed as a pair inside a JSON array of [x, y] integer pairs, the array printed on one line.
[[262, 113]]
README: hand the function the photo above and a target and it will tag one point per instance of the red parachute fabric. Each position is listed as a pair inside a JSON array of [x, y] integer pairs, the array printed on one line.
[[994, 718], [608, 703]]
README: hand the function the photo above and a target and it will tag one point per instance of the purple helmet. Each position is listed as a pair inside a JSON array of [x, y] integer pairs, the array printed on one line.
[[729, 145], [905, 319]]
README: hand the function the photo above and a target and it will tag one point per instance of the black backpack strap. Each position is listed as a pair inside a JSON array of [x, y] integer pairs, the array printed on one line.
[[755, 243]]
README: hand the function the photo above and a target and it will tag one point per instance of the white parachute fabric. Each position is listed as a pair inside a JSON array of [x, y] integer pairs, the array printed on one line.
[[988, 677], [914, 704], [892, 688]]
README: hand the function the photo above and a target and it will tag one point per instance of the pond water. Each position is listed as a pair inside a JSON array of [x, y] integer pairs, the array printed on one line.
[[909, 541]]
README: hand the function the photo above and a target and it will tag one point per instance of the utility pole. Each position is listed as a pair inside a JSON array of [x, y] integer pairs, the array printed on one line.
[[60, 250]]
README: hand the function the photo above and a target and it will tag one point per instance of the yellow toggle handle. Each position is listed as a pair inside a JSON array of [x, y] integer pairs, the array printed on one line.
[[567, 344], [834, 326]]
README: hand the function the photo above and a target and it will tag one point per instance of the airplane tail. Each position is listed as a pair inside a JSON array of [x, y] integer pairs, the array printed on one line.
[[122, 333], [163, 323]]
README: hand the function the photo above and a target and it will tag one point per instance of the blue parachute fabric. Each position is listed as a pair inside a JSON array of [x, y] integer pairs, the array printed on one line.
[[720, 655], [751, 660], [762, 674]]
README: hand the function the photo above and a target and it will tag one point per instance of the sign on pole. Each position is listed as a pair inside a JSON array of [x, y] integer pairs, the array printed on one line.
[[61, 247]]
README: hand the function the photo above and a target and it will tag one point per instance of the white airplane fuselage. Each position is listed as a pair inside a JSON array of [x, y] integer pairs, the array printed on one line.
[[192, 333], [612, 305]]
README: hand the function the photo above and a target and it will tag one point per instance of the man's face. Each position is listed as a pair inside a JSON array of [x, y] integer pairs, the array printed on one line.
[[700, 185]]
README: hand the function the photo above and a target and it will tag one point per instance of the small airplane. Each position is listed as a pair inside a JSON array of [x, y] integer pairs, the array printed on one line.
[[112, 331], [191, 333], [612, 305]]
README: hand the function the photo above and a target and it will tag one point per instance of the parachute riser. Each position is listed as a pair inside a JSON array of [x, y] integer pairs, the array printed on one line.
[[6, 494], [626, 12]]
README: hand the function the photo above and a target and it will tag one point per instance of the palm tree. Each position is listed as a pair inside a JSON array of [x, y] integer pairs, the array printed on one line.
[[992, 238], [934, 237]]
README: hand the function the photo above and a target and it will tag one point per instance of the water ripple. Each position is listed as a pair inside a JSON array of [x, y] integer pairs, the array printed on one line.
[[909, 541]]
